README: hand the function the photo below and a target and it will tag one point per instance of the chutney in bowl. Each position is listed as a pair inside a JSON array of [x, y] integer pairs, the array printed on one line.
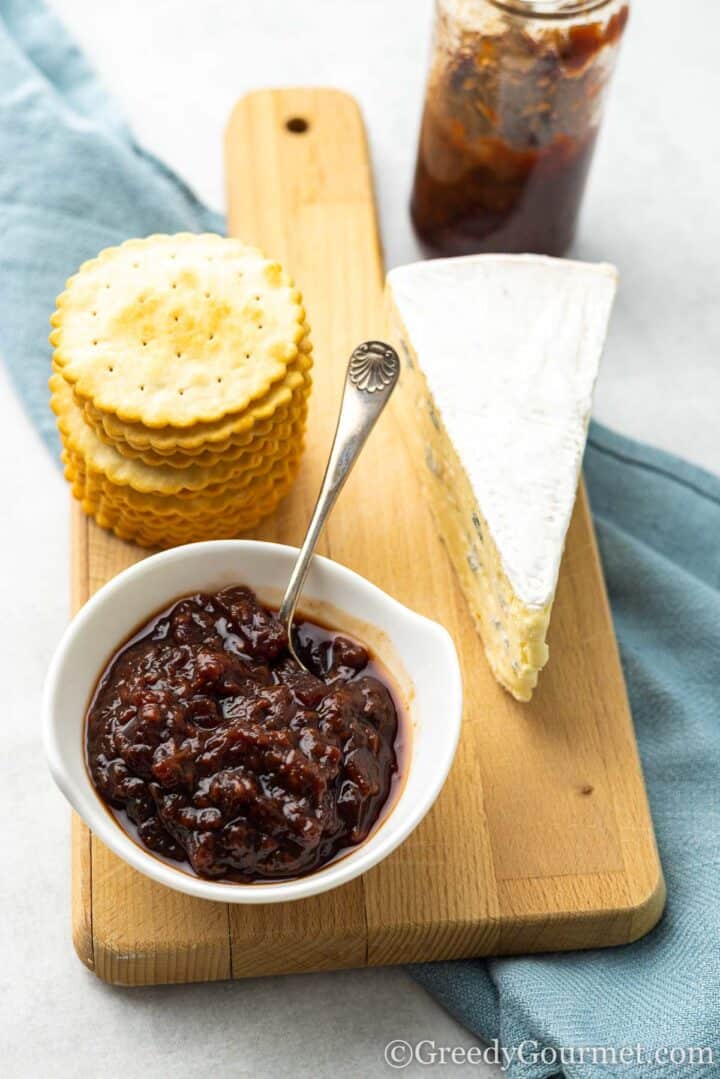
[[215, 748], [415, 656]]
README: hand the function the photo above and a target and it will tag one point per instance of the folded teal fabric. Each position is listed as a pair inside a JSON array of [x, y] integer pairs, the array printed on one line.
[[72, 182], [658, 525]]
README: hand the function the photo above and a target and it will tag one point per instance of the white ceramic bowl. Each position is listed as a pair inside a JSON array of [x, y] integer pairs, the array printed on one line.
[[418, 653]]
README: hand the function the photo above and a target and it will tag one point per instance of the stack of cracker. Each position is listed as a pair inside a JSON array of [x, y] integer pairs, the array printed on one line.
[[181, 374]]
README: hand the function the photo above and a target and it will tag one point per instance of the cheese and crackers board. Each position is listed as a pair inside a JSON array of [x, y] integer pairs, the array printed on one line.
[[197, 381]]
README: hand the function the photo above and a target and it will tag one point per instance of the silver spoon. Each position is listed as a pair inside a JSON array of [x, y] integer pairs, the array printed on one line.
[[371, 377]]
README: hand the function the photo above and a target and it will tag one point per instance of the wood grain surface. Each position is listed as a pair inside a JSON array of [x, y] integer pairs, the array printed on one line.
[[541, 838]]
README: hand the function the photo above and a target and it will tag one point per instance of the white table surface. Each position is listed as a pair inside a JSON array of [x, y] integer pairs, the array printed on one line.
[[653, 208]]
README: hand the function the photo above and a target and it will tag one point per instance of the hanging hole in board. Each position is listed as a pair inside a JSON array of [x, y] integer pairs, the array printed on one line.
[[297, 125]]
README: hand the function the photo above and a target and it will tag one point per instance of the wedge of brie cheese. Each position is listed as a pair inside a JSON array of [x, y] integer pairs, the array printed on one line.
[[502, 353]]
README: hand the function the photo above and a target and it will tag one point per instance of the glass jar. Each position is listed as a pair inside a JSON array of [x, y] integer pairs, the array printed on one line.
[[512, 111]]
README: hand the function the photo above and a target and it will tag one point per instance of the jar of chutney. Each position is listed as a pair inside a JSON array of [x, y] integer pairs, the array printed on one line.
[[512, 110]]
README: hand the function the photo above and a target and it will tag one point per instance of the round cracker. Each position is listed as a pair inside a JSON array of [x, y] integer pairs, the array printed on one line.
[[128, 525], [209, 453], [100, 458], [216, 494], [242, 494], [215, 436], [267, 435], [279, 428], [176, 330]]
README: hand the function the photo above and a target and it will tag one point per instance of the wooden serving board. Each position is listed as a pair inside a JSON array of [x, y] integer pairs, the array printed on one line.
[[541, 838]]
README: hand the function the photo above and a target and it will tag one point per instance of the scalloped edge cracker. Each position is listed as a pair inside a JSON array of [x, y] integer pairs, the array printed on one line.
[[243, 490], [169, 440], [129, 524], [266, 436], [177, 330], [100, 458]]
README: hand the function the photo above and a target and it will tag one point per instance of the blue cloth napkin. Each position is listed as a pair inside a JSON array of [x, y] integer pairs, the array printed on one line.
[[658, 525], [72, 182]]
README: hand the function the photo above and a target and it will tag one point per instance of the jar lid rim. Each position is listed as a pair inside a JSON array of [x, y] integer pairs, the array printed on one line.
[[549, 8]]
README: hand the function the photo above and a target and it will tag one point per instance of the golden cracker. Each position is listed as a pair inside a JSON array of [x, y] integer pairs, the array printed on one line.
[[209, 458], [127, 526], [216, 500], [176, 330], [232, 428], [102, 459], [214, 494], [278, 428], [167, 513]]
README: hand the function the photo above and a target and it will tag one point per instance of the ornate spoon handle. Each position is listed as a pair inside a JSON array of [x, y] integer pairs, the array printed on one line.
[[371, 377]]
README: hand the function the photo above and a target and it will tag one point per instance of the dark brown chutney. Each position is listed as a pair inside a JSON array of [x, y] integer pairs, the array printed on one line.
[[207, 735]]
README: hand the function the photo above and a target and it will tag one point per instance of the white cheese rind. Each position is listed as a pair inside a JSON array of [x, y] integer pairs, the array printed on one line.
[[510, 347]]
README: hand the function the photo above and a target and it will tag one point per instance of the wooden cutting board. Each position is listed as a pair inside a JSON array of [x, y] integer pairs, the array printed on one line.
[[542, 838]]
